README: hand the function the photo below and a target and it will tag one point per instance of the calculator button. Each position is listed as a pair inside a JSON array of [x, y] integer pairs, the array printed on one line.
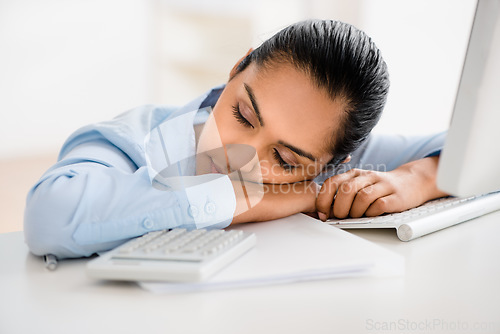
[[177, 231], [155, 234], [199, 232]]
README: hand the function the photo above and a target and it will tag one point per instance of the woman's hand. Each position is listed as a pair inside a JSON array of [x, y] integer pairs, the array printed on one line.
[[262, 202], [361, 192]]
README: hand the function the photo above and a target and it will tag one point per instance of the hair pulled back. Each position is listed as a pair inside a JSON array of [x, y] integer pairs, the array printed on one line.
[[343, 61]]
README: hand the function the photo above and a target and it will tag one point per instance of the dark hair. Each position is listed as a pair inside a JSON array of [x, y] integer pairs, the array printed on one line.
[[345, 62]]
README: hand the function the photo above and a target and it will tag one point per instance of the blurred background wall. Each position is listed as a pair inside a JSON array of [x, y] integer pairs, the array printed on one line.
[[64, 64]]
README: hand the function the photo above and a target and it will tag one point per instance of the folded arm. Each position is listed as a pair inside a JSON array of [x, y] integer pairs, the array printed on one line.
[[95, 199]]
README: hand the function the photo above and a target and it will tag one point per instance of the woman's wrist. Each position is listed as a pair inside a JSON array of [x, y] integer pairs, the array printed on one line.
[[280, 200], [425, 172]]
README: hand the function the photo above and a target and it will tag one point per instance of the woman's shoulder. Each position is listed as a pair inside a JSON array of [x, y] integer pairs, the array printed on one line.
[[125, 131]]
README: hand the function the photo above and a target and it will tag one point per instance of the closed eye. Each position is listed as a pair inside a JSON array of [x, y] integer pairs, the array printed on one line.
[[246, 123], [283, 164], [239, 117]]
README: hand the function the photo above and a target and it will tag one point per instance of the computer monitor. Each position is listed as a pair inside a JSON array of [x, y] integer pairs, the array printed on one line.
[[470, 160]]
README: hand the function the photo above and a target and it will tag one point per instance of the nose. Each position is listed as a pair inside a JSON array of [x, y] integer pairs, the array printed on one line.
[[244, 157]]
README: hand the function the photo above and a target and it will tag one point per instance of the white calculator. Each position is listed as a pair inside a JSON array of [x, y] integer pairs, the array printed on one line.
[[177, 255]]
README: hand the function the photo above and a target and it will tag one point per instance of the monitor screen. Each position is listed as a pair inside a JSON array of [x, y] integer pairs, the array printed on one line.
[[470, 161]]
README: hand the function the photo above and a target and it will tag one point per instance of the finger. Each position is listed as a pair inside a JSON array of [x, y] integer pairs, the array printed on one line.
[[329, 189], [311, 214], [367, 196], [347, 192], [385, 204]]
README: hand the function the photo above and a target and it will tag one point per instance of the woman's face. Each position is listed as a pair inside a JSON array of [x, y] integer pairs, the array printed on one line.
[[281, 117]]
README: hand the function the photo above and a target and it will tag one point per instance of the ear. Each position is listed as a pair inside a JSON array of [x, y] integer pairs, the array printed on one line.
[[346, 160], [233, 70]]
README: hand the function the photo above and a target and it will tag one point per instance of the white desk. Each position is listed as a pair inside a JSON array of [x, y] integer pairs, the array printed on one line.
[[452, 281]]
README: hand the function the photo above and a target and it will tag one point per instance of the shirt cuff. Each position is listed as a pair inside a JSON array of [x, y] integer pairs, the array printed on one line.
[[212, 202], [211, 199]]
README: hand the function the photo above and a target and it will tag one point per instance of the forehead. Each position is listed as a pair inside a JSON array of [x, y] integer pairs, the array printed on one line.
[[293, 107]]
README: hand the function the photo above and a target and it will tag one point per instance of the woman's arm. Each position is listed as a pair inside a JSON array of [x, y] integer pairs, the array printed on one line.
[[91, 202], [371, 193], [276, 201], [388, 173]]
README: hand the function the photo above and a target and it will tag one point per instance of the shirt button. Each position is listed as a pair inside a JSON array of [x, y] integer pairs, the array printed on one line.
[[147, 224], [210, 208], [193, 211]]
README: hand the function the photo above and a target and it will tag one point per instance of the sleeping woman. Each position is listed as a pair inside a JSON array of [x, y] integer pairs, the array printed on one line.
[[289, 132]]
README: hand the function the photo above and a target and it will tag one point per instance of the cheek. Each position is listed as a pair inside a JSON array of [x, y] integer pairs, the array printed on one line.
[[273, 173], [210, 136], [260, 170], [228, 131]]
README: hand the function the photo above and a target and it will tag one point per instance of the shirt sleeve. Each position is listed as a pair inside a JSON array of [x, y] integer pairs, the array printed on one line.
[[96, 198], [383, 152]]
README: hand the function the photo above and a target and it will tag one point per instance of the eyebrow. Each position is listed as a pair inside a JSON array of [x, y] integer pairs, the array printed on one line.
[[297, 150]]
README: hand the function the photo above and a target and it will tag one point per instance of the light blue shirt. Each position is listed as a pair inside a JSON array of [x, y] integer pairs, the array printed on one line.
[[100, 194]]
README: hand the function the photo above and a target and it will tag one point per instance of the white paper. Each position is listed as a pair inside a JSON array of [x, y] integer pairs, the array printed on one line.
[[292, 249]]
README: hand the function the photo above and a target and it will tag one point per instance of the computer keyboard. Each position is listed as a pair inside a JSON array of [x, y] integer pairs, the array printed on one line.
[[177, 255], [427, 218]]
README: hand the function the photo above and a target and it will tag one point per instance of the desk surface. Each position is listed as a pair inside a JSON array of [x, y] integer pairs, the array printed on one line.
[[451, 285]]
